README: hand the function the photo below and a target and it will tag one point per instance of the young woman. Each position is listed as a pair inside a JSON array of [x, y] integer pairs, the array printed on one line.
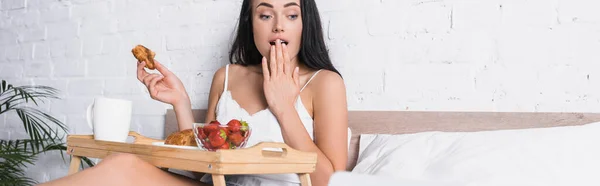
[[281, 81]]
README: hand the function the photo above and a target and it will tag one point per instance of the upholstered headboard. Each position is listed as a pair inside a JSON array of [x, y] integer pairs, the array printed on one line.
[[402, 122]]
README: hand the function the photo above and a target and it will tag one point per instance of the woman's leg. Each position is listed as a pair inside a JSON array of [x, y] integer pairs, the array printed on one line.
[[124, 169]]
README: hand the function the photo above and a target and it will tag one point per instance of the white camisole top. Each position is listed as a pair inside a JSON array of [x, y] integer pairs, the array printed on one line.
[[265, 127]]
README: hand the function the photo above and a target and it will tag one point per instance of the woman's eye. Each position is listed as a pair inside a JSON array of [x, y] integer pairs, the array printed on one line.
[[293, 17], [264, 17]]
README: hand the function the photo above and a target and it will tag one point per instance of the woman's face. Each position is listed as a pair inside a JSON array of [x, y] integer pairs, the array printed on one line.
[[277, 19]]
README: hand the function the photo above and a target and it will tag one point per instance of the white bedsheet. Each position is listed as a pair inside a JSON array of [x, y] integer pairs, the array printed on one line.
[[356, 179]]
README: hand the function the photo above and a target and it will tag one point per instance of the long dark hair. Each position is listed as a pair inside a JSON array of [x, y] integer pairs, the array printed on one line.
[[313, 52]]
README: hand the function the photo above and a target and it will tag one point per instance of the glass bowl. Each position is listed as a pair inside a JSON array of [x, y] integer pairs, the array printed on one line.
[[214, 136]]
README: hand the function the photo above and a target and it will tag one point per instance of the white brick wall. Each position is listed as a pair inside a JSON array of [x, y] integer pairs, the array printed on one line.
[[454, 55]]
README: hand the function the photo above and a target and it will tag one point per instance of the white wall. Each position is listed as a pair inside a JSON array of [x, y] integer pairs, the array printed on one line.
[[453, 55]]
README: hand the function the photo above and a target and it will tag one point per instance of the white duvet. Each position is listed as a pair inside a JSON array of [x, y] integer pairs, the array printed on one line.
[[356, 179], [559, 156]]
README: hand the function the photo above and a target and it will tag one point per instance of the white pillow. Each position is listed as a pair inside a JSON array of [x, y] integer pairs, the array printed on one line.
[[540, 156]]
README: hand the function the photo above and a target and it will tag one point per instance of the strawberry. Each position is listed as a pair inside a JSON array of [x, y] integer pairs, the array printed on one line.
[[236, 138], [201, 133], [237, 125], [234, 125], [227, 131], [225, 146], [244, 126], [211, 127], [206, 143], [245, 133], [217, 138]]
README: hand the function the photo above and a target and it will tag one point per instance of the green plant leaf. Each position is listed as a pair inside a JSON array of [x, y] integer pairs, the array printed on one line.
[[43, 129], [13, 156], [87, 161]]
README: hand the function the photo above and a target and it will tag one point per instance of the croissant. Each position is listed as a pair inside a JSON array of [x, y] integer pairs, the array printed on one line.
[[184, 138], [141, 53]]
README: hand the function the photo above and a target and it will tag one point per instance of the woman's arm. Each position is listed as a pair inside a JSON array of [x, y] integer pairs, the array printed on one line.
[[331, 125], [216, 88], [183, 113], [282, 88], [167, 88]]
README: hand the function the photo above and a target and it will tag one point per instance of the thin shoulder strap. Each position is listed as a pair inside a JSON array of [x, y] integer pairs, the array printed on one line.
[[311, 78], [226, 78]]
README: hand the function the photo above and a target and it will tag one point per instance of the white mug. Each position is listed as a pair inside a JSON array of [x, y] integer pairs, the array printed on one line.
[[110, 119]]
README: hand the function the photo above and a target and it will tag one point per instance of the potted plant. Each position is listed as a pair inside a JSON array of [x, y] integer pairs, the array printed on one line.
[[43, 129]]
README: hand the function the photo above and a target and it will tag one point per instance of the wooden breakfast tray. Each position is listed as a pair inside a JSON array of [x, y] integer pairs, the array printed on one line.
[[252, 160]]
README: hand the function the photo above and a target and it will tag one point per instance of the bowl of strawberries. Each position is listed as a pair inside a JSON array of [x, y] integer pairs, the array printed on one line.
[[214, 135]]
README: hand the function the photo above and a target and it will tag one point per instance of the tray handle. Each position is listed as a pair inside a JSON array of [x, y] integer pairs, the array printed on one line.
[[274, 152], [271, 149], [139, 139]]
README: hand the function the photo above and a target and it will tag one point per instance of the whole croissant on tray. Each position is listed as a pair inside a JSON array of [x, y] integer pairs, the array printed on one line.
[[184, 138]]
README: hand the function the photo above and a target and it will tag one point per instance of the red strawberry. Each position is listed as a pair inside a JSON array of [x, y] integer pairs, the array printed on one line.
[[227, 131], [237, 125], [201, 133], [244, 126], [217, 138], [245, 133], [206, 143], [211, 127], [236, 138], [225, 146], [234, 125]]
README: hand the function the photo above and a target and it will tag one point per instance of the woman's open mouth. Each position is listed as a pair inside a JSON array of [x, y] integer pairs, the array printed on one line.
[[282, 42]]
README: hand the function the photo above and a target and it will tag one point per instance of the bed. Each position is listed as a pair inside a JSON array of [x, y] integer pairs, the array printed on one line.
[[465, 130]]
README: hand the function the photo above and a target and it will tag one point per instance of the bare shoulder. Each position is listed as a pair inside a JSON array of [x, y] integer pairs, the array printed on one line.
[[236, 67], [219, 75], [233, 69], [239, 71], [327, 82], [218, 81]]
